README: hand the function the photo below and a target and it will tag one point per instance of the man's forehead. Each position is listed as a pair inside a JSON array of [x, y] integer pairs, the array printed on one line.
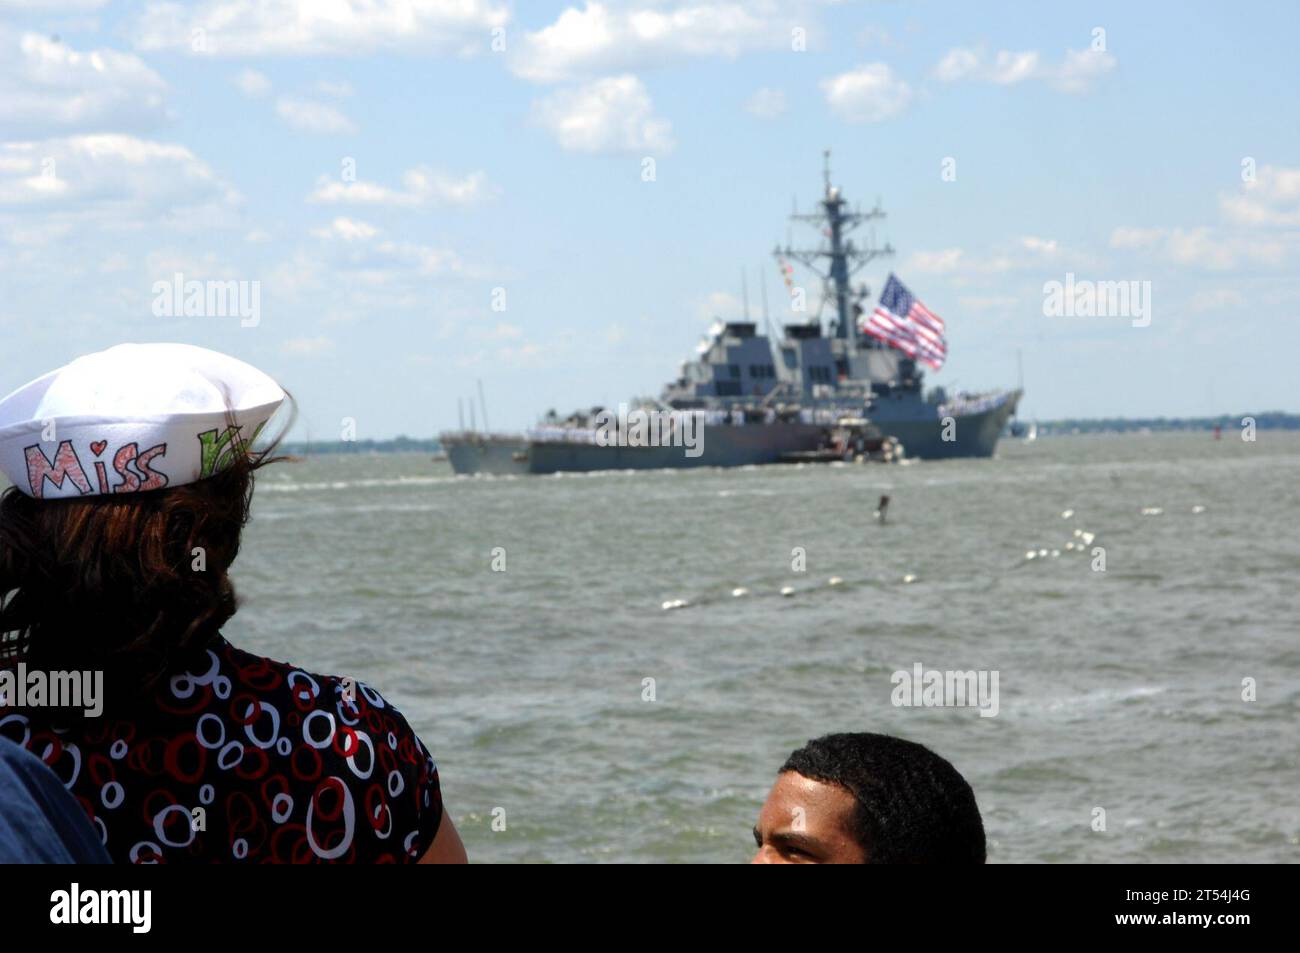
[[814, 815], [793, 793]]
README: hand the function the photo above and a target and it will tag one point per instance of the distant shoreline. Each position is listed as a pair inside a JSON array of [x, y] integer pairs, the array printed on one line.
[[1269, 420], [1266, 420]]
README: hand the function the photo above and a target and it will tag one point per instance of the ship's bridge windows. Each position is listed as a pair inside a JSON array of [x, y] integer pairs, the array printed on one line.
[[727, 388], [735, 371]]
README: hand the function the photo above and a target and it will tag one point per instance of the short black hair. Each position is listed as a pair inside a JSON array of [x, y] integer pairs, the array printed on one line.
[[912, 805]]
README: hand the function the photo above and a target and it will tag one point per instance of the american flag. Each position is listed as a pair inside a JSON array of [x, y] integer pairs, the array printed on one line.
[[902, 322]]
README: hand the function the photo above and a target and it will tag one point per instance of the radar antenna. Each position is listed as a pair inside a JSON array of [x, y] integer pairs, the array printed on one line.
[[843, 258]]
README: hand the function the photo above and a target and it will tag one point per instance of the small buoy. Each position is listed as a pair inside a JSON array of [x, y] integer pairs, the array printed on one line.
[[1042, 554], [1088, 538], [787, 591], [1069, 546], [675, 604], [1151, 511], [1030, 554], [909, 578], [739, 591], [1056, 554], [1067, 514], [834, 581], [1078, 533], [1198, 508]]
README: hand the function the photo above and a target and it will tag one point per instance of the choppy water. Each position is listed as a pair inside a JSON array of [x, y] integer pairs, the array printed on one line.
[[1119, 689]]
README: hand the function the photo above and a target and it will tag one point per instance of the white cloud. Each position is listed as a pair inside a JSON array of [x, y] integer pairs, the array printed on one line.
[[1077, 72], [114, 263], [129, 181], [421, 186], [608, 116], [41, 6], [1257, 229], [353, 271], [47, 87], [766, 103], [1129, 237], [347, 229], [525, 355], [318, 27], [869, 93], [1046, 247], [1009, 68], [373, 257], [501, 331], [942, 262], [957, 65], [599, 38], [165, 262], [252, 83], [1272, 199], [340, 89], [306, 115], [1001, 303], [307, 347], [719, 304], [1028, 253], [1006, 68], [1204, 247], [1081, 69], [1216, 299]]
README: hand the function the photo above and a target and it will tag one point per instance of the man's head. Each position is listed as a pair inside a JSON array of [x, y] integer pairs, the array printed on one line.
[[869, 799]]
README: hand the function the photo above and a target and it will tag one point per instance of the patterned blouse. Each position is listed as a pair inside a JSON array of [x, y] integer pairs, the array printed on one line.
[[248, 761]]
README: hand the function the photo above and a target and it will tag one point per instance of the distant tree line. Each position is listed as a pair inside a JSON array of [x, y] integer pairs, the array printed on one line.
[[395, 445], [1268, 420]]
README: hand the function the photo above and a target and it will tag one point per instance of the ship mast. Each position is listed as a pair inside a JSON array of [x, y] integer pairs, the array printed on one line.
[[845, 258]]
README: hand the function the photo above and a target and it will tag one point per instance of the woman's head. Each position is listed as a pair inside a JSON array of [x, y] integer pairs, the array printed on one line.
[[133, 474]]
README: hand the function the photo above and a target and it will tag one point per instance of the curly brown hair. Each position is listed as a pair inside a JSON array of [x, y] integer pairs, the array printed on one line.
[[130, 585]]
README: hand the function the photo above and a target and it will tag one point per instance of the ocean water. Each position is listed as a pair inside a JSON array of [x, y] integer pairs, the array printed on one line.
[[1118, 689]]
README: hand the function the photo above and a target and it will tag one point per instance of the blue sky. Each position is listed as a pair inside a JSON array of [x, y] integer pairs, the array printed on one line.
[[211, 139]]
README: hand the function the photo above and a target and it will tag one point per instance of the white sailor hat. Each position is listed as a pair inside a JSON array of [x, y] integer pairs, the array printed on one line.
[[135, 417]]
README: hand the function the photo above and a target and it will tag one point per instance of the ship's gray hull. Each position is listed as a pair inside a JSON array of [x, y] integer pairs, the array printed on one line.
[[973, 435], [721, 446], [923, 436]]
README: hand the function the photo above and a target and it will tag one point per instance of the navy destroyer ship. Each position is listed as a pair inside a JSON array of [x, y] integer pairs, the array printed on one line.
[[819, 392]]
